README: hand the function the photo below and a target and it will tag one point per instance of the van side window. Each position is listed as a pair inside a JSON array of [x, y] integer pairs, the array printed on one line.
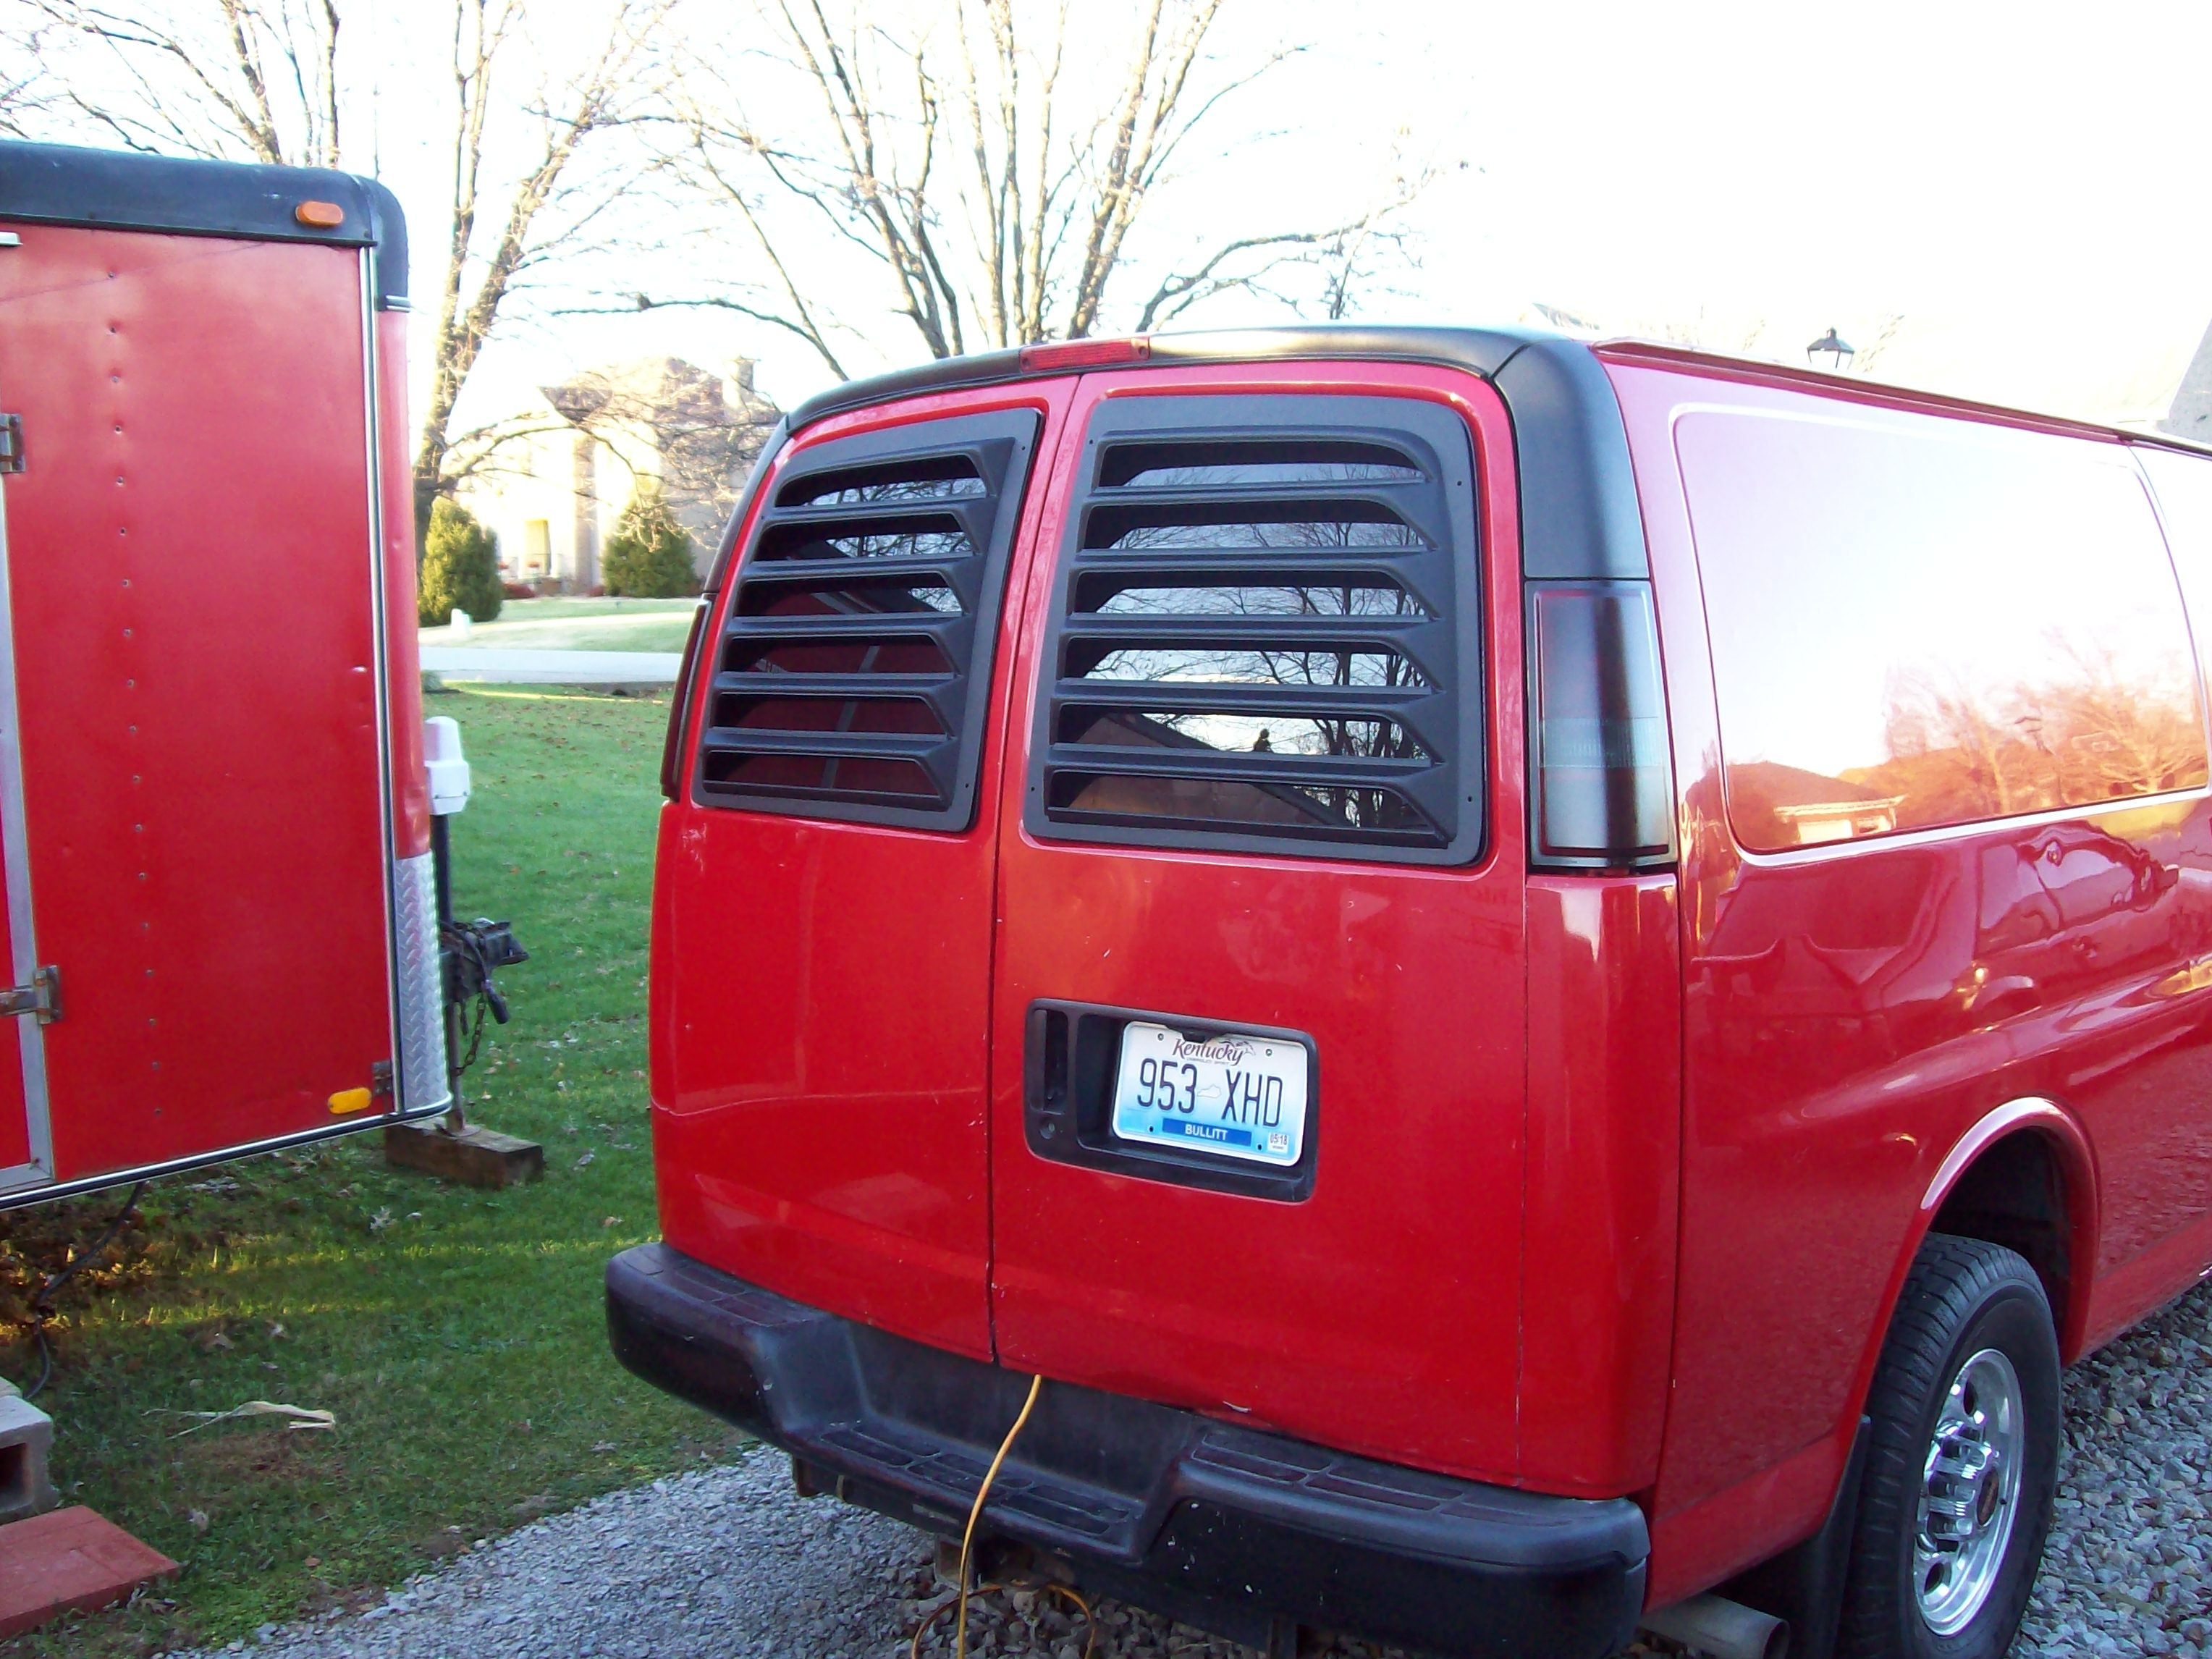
[[1917, 627], [1263, 632], [846, 680]]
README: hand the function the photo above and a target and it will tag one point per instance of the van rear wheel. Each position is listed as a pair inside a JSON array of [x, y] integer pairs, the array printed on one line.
[[1962, 1462]]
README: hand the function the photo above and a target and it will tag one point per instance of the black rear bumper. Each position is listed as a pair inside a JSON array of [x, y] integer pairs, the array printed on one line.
[[1222, 1527]]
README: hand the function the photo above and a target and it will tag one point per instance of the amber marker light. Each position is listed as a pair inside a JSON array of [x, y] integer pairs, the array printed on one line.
[[350, 1100], [1083, 354], [319, 216]]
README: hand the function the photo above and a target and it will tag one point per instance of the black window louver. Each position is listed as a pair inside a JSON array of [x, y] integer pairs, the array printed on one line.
[[850, 679], [1264, 632]]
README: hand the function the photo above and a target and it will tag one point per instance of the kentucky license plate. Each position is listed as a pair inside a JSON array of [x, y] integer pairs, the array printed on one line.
[[1239, 1096]]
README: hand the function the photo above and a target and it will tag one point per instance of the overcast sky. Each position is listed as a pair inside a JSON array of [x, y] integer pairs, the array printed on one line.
[[2023, 186]]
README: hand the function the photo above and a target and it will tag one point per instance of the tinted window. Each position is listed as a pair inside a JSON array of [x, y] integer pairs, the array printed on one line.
[[1189, 464], [1262, 628], [1354, 596], [1920, 626], [929, 479], [1230, 664], [923, 536], [865, 615]]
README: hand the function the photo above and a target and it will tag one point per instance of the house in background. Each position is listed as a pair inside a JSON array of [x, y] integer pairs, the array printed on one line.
[[561, 471], [1778, 806]]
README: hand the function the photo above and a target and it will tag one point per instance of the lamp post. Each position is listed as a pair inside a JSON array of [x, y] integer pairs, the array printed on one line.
[[1828, 352]]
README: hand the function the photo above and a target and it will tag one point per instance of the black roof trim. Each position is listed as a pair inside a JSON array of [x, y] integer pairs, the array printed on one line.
[[1579, 517], [121, 190], [938, 375], [1578, 512], [1481, 350]]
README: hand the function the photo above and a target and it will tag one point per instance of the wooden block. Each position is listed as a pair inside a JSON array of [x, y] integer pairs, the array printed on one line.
[[69, 1561], [475, 1158]]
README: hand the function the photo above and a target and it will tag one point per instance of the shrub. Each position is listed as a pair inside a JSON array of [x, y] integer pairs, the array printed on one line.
[[460, 568], [519, 590], [649, 555]]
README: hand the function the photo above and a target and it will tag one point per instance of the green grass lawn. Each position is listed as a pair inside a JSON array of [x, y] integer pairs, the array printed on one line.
[[457, 1334], [565, 624]]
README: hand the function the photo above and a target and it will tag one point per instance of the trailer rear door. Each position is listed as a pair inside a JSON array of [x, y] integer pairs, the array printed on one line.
[[195, 837]]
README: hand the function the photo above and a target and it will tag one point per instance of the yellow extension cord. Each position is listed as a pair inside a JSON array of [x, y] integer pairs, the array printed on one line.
[[967, 1544]]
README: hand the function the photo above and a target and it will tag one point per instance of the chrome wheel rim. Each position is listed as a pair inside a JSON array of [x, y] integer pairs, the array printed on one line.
[[1969, 1492]]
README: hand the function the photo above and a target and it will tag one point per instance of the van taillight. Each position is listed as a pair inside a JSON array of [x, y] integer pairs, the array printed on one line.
[[1601, 793]]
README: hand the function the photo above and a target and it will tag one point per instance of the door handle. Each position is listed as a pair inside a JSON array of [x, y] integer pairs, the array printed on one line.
[[42, 997]]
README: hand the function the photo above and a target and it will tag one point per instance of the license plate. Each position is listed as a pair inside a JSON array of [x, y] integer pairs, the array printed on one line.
[[1230, 1094]]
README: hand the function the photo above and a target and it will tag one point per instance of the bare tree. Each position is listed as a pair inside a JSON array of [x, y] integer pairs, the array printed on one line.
[[1736, 337], [25, 84], [2091, 728], [1883, 338], [962, 168], [546, 212], [261, 81], [251, 80]]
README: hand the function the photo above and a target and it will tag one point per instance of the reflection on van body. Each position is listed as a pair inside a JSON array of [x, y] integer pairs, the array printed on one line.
[[1915, 629], [1924, 626], [1988, 932]]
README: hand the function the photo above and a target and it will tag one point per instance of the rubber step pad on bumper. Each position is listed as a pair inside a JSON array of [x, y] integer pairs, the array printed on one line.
[[1222, 1526]]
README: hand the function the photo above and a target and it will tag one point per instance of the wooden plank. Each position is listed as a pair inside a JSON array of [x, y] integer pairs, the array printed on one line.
[[475, 1158]]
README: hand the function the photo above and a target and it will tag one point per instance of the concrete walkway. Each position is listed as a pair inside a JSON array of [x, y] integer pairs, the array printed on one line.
[[491, 665]]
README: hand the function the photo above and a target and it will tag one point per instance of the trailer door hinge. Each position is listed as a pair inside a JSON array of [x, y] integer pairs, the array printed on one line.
[[41, 996], [11, 443]]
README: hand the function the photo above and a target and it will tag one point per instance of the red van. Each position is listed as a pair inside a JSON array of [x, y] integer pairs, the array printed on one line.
[[1547, 983]]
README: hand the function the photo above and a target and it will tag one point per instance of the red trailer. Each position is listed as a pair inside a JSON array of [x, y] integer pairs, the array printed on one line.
[[221, 913]]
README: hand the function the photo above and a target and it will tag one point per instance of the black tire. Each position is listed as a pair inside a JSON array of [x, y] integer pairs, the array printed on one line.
[[1963, 1297]]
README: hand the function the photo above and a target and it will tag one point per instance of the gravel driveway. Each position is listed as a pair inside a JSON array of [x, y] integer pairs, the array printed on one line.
[[731, 1564]]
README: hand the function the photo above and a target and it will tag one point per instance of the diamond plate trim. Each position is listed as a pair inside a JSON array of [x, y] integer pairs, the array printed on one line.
[[423, 1085]]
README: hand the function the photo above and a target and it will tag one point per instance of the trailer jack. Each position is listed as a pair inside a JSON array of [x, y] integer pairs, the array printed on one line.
[[472, 953]]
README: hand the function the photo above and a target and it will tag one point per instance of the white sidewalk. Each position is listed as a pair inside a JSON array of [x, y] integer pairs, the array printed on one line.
[[489, 666]]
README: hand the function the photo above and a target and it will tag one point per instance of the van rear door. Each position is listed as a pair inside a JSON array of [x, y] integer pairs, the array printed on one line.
[[822, 930], [1259, 1024]]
